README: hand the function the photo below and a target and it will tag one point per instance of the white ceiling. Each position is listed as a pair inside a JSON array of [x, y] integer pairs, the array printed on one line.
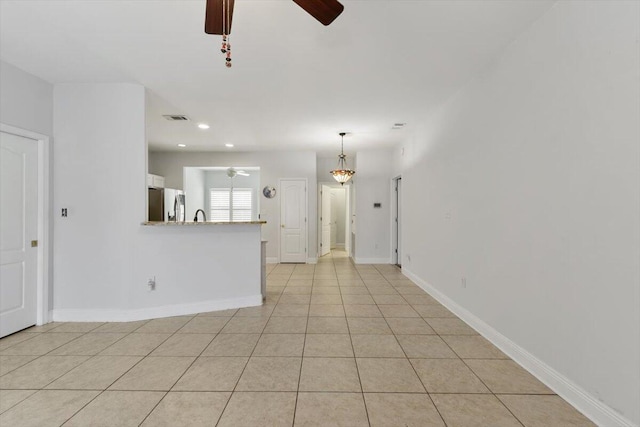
[[294, 83]]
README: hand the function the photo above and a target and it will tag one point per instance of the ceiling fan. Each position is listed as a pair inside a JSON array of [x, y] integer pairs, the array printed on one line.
[[232, 172], [219, 13]]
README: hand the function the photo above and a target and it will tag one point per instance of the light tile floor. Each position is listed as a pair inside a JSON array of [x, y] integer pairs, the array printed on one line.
[[335, 345]]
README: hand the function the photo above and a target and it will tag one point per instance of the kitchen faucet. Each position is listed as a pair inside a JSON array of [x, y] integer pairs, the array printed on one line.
[[204, 216]]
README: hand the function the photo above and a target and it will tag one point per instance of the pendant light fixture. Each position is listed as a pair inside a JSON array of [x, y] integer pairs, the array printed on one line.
[[342, 174]]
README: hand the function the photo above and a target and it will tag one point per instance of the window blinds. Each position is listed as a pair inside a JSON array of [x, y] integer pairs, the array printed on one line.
[[231, 204]]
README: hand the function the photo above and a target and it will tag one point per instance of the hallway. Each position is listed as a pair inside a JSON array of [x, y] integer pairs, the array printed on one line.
[[335, 344]]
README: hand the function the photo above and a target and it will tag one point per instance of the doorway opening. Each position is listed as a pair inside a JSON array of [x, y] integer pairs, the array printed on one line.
[[396, 224], [334, 218]]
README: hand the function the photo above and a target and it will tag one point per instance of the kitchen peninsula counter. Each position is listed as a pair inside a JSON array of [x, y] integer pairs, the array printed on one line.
[[196, 267], [199, 223]]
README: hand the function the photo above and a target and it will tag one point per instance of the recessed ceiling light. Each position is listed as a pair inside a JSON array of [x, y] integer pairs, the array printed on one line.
[[203, 126], [228, 145], [182, 145]]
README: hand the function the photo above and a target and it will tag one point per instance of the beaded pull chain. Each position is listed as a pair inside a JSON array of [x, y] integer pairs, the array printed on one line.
[[226, 39], [226, 49]]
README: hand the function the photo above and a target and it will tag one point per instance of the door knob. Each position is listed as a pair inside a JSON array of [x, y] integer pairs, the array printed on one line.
[[282, 226]]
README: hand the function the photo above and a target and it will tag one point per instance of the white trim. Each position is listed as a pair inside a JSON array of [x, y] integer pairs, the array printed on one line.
[[359, 260], [396, 230], [43, 314], [583, 401], [115, 315], [312, 260], [273, 260], [338, 246]]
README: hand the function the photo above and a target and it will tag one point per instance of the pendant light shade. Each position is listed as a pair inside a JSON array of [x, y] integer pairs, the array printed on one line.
[[342, 174]]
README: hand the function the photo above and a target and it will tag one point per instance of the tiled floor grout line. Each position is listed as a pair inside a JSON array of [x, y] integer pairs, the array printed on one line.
[[304, 343], [355, 361], [482, 381], [44, 387], [366, 280], [53, 349], [416, 372], [248, 359], [188, 367], [127, 371], [65, 373], [464, 362], [468, 367]]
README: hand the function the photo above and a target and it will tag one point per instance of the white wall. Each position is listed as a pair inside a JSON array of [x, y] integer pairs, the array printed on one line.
[[194, 190], [103, 256], [373, 225], [99, 163], [273, 165], [527, 184], [26, 101], [326, 164]]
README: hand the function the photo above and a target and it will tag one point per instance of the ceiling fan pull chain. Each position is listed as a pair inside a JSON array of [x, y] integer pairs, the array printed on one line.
[[227, 39], [224, 44]]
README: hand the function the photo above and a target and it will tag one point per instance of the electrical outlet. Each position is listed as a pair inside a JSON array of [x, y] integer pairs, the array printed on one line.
[[64, 212], [464, 282], [151, 284]]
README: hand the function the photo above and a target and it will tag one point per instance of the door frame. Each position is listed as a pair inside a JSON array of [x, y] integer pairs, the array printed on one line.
[[306, 219], [43, 273], [347, 207], [396, 221]]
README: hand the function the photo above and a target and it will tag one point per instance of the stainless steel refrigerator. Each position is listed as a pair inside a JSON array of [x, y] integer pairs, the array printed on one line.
[[166, 204], [174, 205], [156, 204]]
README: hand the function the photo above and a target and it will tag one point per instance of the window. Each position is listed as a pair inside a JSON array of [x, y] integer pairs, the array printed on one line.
[[231, 204]]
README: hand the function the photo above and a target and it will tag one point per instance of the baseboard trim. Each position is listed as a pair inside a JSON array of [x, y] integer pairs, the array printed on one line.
[[589, 405], [117, 315], [272, 260], [372, 260]]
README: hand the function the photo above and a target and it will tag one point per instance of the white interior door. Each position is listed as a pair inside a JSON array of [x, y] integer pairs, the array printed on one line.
[[334, 221], [293, 220], [325, 220], [18, 229]]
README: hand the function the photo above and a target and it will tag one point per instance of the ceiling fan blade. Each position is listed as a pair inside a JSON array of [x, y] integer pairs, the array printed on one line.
[[213, 21], [324, 11]]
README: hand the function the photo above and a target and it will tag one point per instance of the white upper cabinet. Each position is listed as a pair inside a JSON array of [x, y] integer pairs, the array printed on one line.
[[155, 181]]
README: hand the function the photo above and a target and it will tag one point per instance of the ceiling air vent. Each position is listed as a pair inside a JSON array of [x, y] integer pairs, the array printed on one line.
[[176, 117]]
